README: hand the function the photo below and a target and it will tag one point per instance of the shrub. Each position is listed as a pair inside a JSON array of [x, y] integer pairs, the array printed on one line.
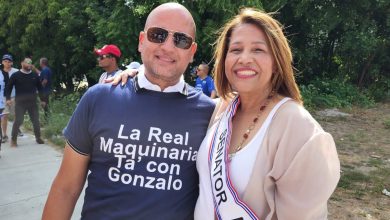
[[386, 123], [61, 109], [326, 93], [380, 90]]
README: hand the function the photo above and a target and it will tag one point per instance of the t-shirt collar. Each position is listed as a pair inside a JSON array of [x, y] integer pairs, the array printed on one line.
[[142, 82]]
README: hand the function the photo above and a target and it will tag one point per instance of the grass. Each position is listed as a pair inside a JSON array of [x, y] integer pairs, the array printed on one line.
[[351, 178], [61, 108], [386, 123], [375, 162], [363, 145], [355, 183]]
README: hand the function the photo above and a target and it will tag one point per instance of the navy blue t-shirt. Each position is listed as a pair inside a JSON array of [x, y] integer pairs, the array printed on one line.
[[46, 74], [143, 146], [206, 85]]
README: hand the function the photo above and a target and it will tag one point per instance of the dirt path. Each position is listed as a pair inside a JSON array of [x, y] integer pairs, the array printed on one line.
[[363, 143]]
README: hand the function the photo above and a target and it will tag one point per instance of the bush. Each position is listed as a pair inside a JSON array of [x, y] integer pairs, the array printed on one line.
[[386, 123], [329, 93], [61, 109], [380, 90]]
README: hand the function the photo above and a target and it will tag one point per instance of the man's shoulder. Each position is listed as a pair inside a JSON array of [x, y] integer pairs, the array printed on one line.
[[16, 73], [199, 96], [108, 88], [45, 70], [209, 78], [106, 94], [13, 70], [103, 74]]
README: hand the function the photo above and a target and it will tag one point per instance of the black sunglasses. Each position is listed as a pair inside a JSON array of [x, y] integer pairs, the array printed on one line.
[[159, 35], [101, 57]]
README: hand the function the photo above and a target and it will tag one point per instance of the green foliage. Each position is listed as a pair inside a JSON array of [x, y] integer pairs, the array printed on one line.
[[352, 178], [380, 90], [325, 93], [386, 123], [330, 39], [61, 109]]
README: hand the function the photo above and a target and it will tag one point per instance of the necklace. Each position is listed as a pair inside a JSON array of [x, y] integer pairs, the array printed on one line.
[[252, 125]]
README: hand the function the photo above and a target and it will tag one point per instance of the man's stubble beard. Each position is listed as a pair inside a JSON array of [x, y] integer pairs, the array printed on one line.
[[156, 74]]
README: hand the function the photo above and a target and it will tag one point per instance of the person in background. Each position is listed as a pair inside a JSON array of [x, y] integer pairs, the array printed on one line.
[[136, 144], [108, 58], [204, 82], [27, 85], [7, 72], [45, 76], [264, 155]]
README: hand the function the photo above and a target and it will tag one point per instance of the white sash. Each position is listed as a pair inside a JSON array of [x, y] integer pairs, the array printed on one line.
[[226, 201]]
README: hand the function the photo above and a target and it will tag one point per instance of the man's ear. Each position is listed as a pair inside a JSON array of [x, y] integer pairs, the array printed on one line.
[[193, 49], [141, 39]]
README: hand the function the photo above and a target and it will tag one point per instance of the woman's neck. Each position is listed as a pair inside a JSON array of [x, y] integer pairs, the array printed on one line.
[[251, 102]]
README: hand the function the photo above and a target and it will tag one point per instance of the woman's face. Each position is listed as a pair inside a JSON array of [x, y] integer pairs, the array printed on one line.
[[249, 63]]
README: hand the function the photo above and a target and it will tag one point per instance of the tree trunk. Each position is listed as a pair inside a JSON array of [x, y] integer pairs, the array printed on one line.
[[365, 70]]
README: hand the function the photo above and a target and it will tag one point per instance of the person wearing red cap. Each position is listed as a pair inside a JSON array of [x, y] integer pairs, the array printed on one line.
[[108, 58]]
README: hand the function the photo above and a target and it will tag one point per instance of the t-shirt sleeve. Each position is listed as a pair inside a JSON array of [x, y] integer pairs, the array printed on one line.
[[77, 131]]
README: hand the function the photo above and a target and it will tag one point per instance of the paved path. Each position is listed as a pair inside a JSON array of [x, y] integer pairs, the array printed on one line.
[[26, 174]]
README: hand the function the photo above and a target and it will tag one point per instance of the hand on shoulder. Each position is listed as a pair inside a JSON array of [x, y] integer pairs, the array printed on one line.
[[122, 77]]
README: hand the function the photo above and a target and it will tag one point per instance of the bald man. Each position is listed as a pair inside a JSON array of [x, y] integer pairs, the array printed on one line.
[[204, 82], [27, 85], [136, 145]]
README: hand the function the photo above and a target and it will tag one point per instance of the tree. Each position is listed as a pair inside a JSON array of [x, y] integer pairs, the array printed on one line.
[[329, 38]]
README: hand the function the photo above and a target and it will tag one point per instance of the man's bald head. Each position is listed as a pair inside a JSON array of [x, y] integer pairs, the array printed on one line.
[[172, 8], [166, 61]]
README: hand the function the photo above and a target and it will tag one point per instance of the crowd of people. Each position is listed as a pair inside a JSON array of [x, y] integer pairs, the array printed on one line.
[[240, 147], [20, 89], [157, 148]]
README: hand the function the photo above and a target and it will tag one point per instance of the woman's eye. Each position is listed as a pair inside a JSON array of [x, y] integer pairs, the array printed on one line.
[[234, 50], [258, 50]]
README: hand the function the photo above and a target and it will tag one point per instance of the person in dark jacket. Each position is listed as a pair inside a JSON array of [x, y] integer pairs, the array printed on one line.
[[27, 84]]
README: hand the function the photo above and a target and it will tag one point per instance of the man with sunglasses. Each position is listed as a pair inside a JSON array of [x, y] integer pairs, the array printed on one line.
[[139, 141], [108, 58], [26, 84]]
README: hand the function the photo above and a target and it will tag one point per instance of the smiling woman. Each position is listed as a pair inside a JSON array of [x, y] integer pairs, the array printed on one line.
[[264, 156]]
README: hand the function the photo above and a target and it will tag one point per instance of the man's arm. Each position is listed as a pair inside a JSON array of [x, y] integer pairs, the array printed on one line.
[[211, 87], [36, 70], [44, 82], [38, 83], [8, 88], [67, 186], [6, 80], [45, 75], [213, 94]]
